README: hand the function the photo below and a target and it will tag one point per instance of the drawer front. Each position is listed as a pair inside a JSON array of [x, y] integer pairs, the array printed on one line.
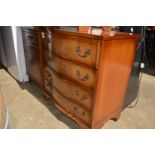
[[77, 49], [71, 108], [32, 54], [73, 71], [31, 38], [68, 89]]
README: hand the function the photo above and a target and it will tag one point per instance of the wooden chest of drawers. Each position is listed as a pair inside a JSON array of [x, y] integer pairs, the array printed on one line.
[[86, 75], [31, 42]]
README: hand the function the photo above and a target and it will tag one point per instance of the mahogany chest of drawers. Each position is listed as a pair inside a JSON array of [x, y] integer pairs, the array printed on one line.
[[86, 76]]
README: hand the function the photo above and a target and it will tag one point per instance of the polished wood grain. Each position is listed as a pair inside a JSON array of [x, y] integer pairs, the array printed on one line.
[[85, 75], [113, 63], [73, 71], [72, 116], [114, 35], [73, 110], [116, 59], [68, 89], [75, 48]]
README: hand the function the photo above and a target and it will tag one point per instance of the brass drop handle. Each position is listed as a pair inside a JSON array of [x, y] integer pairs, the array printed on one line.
[[48, 74], [48, 79], [82, 98], [84, 78], [85, 54], [76, 109], [49, 85]]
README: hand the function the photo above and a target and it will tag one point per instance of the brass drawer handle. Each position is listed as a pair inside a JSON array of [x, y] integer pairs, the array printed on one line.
[[49, 85], [81, 113], [84, 78], [48, 79], [82, 98], [79, 53], [48, 75]]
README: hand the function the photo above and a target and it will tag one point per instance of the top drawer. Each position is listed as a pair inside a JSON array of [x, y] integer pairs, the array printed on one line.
[[31, 38], [78, 49]]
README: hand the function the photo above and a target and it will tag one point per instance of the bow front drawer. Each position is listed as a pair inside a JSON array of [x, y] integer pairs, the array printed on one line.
[[75, 72], [73, 110], [79, 50], [68, 89]]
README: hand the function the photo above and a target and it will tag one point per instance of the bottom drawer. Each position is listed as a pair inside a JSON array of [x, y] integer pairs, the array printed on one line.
[[72, 109]]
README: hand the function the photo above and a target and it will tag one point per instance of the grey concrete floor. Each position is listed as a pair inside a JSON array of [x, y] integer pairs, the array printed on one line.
[[28, 109]]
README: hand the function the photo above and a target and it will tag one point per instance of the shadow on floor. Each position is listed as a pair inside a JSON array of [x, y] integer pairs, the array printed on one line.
[[36, 91], [149, 70]]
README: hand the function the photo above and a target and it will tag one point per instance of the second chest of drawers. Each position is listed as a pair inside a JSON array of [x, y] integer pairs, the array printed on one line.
[[32, 54]]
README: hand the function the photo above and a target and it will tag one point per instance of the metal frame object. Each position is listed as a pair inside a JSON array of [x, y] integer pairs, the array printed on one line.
[[6, 122]]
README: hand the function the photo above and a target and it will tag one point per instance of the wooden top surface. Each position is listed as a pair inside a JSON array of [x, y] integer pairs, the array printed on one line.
[[113, 35]]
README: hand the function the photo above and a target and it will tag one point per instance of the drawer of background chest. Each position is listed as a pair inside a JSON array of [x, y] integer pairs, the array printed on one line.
[[31, 38], [72, 109], [75, 72], [77, 49]]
